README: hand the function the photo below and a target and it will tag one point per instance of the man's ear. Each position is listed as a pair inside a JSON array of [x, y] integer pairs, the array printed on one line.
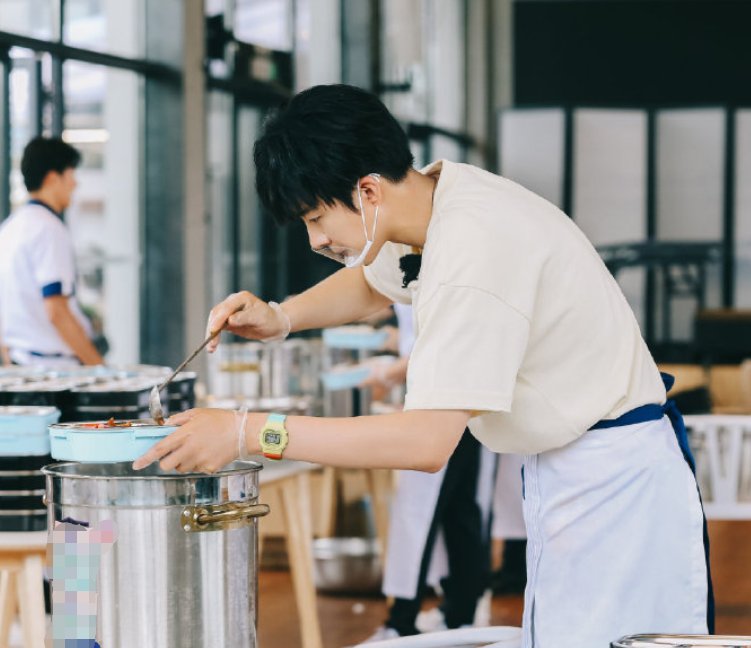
[[370, 186], [51, 177]]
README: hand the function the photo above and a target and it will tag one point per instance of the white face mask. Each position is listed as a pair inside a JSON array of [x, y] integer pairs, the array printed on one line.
[[346, 256]]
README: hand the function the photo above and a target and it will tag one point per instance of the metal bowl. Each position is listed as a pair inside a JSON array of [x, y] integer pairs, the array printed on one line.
[[347, 565]]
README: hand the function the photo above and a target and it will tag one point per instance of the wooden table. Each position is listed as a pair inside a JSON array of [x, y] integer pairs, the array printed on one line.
[[288, 482]]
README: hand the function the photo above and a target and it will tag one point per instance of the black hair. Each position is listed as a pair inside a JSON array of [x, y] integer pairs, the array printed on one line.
[[315, 147], [45, 154]]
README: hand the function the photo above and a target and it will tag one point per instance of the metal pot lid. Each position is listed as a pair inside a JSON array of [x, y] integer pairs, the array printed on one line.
[[682, 641]]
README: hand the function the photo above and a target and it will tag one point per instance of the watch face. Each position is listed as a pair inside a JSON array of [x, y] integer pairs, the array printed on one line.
[[272, 438]]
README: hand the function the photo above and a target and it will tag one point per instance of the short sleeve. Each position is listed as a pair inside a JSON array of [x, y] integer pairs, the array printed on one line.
[[384, 275], [52, 258], [470, 345]]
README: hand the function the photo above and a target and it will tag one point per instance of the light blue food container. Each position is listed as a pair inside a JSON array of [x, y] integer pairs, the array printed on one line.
[[23, 430], [77, 442], [357, 338], [345, 378]]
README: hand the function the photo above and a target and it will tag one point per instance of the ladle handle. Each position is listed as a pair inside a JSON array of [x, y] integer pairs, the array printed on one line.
[[189, 358]]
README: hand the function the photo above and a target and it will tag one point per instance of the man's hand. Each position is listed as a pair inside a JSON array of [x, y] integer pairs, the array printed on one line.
[[247, 316], [206, 441]]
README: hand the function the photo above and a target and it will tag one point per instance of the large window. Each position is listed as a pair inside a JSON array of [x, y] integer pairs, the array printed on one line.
[[101, 121], [111, 26], [37, 18], [30, 110], [92, 97]]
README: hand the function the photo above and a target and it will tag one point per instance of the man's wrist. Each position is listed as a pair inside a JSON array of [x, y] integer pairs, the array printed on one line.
[[253, 427]]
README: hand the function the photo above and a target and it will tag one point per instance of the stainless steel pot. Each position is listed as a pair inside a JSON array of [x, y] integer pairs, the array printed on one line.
[[681, 641], [183, 570], [347, 565], [259, 370]]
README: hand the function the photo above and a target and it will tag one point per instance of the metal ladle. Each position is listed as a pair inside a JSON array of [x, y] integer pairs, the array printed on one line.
[[155, 403]]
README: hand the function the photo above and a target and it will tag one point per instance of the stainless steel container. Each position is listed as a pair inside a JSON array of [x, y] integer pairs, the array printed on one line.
[[347, 565], [681, 641], [183, 570], [260, 370]]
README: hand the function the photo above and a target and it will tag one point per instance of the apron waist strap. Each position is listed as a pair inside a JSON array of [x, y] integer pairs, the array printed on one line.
[[651, 412], [654, 412]]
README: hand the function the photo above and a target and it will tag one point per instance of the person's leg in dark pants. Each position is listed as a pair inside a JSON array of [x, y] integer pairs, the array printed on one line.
[[459, 515], [467, 540]]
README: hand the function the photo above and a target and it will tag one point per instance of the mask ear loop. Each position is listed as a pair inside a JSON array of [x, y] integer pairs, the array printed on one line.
[[377, 176]]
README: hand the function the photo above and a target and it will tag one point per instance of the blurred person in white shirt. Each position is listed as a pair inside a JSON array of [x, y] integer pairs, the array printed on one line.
[[42, 322]]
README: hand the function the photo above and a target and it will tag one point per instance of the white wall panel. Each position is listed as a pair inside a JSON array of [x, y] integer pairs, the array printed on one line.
[[530, 145], [743, 210], [690, 168], [610, 186]]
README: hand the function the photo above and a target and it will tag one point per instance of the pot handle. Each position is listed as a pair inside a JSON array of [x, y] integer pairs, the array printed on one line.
[[218, 517]]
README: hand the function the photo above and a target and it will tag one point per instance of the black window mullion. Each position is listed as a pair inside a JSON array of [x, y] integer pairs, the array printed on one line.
[[58, 99], [4, 133], [60, 8]]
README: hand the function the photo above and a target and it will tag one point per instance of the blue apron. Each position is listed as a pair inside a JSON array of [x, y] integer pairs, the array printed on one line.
[[654, 412]]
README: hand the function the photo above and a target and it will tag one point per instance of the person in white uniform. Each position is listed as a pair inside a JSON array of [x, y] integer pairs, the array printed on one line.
[[521, 334], [454, 501], [41, 320]]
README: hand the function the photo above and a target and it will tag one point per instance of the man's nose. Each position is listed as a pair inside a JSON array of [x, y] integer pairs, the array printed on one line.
[[318, 240]]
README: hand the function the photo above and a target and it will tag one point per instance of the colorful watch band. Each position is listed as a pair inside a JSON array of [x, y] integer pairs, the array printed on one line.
[[273, 417]]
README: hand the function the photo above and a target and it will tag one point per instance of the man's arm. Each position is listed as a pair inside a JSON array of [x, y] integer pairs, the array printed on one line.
[[342, 298], [416, 440], [70, 330]]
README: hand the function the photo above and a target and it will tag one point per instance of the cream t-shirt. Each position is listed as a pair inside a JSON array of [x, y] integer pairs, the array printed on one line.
[[517, 319]]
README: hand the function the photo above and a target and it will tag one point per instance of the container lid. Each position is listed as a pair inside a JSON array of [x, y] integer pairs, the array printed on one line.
[[28, 410], [345, 376], [356, 337], [138, 428]]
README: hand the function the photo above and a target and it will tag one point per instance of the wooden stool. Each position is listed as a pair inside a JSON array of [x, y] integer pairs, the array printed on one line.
[[22, 556]]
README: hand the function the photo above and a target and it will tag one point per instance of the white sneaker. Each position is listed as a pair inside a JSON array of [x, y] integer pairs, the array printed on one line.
[[382, 634], [431, 621], [483, 610]]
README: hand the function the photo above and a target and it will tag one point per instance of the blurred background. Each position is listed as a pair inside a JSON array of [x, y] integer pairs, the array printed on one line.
[[632, 116]]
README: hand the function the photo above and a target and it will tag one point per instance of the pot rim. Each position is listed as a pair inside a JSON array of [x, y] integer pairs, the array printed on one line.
[[56, 470]]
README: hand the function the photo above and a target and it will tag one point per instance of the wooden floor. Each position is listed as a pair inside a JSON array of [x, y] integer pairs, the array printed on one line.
[[345, 621]]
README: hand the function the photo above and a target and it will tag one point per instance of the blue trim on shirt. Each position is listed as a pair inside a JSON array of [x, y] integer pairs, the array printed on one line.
[[34, 201], [52, 289]]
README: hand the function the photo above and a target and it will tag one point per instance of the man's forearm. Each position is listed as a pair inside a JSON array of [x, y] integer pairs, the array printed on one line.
[[323, 304], [415, 440], [74, 336]]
